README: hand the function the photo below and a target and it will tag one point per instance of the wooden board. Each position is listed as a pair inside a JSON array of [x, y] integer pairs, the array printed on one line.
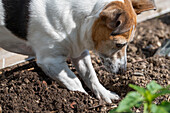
[[9, 59]]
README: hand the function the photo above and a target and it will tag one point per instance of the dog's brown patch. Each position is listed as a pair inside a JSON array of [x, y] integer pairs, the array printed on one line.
[[121, 53], [101, 30]]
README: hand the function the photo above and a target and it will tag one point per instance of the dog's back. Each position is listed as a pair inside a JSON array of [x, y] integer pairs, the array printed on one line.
[[14, 17]]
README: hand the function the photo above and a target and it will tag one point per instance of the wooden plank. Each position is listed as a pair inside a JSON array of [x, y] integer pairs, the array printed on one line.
[[8, 59]]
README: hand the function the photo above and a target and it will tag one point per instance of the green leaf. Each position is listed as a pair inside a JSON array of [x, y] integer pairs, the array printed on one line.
[[129, 101], [164, 107], [114, 111], [138, 89], [168, 87], [145, 108], [153, 87], [165, 90], [162, 91], [154, 108], [139, 104]]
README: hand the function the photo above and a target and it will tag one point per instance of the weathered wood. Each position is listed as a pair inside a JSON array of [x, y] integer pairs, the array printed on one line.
[[9, 59]]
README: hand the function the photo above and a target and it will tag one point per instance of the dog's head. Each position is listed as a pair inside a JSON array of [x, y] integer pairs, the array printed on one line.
[[115, 28]]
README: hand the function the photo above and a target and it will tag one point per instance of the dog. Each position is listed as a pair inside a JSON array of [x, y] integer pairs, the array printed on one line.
[[54, 30]]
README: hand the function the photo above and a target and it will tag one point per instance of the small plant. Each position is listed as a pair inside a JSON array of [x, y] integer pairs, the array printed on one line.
[[144, 97]]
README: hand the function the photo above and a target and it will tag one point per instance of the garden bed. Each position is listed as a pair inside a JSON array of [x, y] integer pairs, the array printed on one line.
[[25, 88]]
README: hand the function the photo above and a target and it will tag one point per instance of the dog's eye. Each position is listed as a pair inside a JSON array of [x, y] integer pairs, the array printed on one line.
[[119, 45], [118, 23]]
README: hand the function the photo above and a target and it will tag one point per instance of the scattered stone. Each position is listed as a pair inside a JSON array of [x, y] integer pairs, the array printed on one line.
[[30, 69], [134, 78], [143, 65], [129, 65], [139, 37], [26, 80], [138, 111], [159, 43], [138, 74], [134, 49], [139, 59]]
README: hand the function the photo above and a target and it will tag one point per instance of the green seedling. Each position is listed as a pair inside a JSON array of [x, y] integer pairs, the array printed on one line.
[[145, 97]]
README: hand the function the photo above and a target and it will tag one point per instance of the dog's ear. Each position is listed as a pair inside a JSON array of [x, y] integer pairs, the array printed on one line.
[[143, 5], [117, 20]]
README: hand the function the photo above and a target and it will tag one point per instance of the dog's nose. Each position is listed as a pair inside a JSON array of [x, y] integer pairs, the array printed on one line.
[[120, 45]]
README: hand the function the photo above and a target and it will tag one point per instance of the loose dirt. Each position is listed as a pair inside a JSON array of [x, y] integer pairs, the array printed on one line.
[[25, 88]]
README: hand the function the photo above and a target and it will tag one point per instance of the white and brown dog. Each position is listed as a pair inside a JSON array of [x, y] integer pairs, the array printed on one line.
[[53, 30]]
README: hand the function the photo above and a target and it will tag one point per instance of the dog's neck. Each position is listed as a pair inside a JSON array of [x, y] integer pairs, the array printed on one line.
[[77, 18]]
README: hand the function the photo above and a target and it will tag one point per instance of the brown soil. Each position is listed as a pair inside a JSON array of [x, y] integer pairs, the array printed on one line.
[[25, 88]]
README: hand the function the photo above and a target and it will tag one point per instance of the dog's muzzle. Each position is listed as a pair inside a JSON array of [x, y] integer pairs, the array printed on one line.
[[114, 64]]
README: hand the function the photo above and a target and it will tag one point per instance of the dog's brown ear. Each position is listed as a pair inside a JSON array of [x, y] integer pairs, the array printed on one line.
[[143, 5], [117, 20]]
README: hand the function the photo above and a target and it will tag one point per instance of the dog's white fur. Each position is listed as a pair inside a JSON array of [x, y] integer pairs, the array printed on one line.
[[59, 29], [1, 14]]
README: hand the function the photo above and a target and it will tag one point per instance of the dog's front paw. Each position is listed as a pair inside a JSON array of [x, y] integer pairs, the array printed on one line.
[[112, 96], [106, 95]]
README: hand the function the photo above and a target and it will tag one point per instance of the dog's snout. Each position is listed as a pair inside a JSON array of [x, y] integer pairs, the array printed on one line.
[[120, 45]]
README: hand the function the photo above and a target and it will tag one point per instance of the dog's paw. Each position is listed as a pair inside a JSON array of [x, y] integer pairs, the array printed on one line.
[[108, 96], [104, 94], [112, 96]]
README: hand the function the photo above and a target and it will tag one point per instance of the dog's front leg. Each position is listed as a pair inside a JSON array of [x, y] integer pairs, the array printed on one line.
[[58, 70], [87, 73]]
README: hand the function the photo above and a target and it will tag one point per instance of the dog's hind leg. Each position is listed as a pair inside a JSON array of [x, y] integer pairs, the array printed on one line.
[[58, 70], [87, 73]]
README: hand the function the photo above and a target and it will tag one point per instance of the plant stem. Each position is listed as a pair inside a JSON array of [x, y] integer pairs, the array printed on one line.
[[149, 106]]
